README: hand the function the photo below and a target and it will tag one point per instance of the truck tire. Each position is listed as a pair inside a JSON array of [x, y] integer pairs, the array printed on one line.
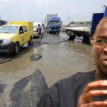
[[68, 37], [16, 49], [68, 34], [57, 33], [72, 35]]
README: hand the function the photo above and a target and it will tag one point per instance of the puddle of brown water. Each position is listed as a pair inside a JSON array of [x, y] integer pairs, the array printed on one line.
[[58, 61]]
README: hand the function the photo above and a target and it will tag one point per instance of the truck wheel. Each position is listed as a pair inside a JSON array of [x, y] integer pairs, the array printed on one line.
[[68, 36], [72, 35], [16, 49], [57, 33]]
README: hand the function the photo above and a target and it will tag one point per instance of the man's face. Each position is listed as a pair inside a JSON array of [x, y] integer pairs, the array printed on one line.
[[99, 48]]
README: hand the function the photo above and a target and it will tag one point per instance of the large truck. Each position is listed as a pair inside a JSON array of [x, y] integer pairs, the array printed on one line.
[[53, 23], [85, 31], [14, 35]]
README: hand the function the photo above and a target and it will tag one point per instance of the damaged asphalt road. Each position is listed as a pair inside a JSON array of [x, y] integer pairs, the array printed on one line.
[[54, 57], [25, 91], [46, 39]]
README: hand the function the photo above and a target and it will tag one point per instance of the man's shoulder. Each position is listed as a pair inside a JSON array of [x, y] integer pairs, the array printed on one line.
[[74, 81], [78, 77], [69, 87]]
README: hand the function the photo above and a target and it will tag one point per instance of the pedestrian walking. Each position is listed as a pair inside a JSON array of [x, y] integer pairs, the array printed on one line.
[[39, 31]]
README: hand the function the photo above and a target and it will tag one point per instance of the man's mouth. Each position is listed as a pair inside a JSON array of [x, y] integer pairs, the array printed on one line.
[[104, 62]]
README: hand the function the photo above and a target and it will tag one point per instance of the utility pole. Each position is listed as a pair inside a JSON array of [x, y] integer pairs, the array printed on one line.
[[68, 19]]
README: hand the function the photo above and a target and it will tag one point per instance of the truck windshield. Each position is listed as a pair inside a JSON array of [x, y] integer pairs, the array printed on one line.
[[8, 29], [57, 22]]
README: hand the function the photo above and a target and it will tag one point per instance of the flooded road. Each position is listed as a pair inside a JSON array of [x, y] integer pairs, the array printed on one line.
[[60, 59]]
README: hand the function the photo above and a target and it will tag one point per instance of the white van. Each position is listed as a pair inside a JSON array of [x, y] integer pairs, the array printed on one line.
[[35, 25]]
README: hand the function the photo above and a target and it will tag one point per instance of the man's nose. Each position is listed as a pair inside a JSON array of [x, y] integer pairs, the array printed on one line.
[[105, 50]]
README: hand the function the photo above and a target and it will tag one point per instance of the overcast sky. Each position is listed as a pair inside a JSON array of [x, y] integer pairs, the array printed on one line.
[[36, 10]]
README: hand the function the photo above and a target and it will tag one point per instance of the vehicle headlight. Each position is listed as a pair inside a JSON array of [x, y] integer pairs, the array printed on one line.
[[7, 41]]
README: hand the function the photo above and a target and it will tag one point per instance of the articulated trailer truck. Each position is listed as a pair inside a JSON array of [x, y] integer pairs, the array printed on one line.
[[85, 31]]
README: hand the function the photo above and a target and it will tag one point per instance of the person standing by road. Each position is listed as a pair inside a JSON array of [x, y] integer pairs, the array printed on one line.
[[83, 89], [39, 30]]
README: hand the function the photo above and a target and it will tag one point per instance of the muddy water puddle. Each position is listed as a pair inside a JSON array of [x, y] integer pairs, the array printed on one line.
[[60, 59]]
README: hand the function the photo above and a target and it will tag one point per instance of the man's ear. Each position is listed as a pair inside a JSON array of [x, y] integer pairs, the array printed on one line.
[[92, 39], [91, 42]]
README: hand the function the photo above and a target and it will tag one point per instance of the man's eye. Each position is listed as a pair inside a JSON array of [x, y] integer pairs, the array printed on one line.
[[99, 41]]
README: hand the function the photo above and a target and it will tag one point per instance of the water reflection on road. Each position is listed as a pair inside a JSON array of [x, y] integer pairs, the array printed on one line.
[[60, 59]]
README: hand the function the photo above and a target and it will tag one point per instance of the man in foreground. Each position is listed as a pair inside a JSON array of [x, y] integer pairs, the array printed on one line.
[[83, 89]]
